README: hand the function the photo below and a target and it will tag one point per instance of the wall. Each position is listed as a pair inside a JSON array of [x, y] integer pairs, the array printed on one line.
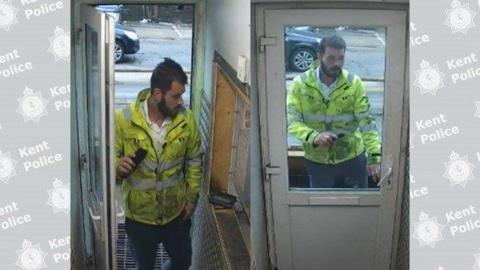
[[227, 32]]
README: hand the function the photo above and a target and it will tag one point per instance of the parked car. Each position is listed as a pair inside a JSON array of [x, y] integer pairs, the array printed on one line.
[[301, 48], [126, 42], [112, 10]]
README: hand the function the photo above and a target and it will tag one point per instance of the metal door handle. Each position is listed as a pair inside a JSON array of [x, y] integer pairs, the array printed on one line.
[[121, 213], [386, 176], [94, 217]]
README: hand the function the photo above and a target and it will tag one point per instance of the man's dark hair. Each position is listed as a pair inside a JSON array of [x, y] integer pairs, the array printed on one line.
[[165, 73], [332, 42]]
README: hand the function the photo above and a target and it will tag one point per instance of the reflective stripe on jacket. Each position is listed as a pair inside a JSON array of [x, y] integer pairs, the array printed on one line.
[[346, 111], [156, 192]]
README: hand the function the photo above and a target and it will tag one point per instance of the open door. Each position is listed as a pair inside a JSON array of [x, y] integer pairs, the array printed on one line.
[[331, 228], [96, 123]]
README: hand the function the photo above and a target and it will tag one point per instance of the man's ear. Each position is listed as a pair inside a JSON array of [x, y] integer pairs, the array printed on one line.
[[156, 92]]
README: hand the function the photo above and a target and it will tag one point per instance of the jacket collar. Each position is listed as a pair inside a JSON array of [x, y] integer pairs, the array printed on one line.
[[312, 81], [139, 119]]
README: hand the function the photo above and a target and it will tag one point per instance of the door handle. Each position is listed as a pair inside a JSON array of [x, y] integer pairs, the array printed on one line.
[[385, 177], [94, 217], [121, 213]]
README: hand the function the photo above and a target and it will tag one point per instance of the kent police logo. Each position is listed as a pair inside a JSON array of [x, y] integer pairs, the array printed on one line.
[[459, 170], [460, 17], [477, 105], [476, 265], [31, 257], [60, 45], [428, 231], [59, 197], [7, 167], [32, 106], [8, 15], [429, 78]]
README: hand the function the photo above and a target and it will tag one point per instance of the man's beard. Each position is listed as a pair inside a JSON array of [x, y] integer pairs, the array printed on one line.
[[163, 109], [333, 72]]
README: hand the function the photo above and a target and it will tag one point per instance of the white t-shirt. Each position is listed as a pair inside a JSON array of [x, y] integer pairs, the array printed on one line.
[[326, 90], [158, 133]]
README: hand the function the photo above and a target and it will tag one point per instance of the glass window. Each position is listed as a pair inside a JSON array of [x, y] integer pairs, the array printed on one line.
[[94, 114], [334, 106]]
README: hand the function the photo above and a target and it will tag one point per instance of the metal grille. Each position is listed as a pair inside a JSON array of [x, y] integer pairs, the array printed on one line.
[[403, 255], [124, 255], [207, 251]]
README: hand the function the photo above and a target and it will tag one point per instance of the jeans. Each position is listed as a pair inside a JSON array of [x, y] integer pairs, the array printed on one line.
[[348, 174], [175, 237]]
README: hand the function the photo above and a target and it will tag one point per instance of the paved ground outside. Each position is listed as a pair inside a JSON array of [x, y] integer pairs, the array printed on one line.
[[157, 40]]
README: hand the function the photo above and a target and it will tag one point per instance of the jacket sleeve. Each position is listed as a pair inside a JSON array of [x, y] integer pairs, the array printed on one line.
[[295, 121], [118, 136], [193, 162], [366, 123]]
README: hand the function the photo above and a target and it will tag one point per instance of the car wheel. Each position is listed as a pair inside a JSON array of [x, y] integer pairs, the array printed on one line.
[[118, 51], [302, 59]]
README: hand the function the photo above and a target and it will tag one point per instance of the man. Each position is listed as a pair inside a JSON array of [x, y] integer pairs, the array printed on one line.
[[329, 112], [161, 192]]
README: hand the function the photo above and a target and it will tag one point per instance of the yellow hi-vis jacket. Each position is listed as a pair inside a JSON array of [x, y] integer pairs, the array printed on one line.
[[157, 190], [346, 111]]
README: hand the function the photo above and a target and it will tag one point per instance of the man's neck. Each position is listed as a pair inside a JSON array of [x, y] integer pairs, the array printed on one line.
[[153, 113], [325, 79]]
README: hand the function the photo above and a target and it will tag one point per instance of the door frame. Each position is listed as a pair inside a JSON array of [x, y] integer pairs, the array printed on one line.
[[77, 75], [198, 39], [259, 58]]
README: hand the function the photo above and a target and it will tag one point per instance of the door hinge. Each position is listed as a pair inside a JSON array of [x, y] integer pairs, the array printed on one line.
[[267, 41], [77, 35], [271, 170]]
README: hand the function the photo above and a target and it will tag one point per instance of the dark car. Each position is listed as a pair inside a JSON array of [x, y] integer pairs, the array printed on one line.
[[126, 42], [113, 10], [301, 48]]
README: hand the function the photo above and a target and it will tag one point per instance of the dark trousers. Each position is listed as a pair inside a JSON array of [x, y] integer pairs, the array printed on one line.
[[175, 237], [348, 174]]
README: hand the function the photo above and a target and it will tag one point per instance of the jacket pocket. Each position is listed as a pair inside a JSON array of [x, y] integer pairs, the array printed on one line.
[[135, 139], [143, 203]]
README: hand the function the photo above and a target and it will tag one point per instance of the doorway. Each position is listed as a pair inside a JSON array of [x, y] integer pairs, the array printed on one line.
[[346, 226]]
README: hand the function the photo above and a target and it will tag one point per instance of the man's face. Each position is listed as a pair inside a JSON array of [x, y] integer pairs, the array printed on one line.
[[332, 61], [169, 102]]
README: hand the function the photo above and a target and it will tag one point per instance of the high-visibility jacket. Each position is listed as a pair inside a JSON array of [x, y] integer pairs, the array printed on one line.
[[156, 192], [346, 111]]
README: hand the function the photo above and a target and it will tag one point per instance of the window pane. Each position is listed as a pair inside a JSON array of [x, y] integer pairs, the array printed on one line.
[[94, 114], [334, 105]]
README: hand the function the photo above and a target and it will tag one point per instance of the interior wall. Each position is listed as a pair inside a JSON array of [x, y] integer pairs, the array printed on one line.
[[228, 33]]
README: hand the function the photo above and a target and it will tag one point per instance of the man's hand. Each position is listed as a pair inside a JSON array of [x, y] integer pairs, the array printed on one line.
[[374, 171], [189, 209], [325, 139], [125, 166]]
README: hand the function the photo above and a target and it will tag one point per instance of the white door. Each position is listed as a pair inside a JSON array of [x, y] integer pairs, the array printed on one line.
[[96, 128], [341, 228]]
